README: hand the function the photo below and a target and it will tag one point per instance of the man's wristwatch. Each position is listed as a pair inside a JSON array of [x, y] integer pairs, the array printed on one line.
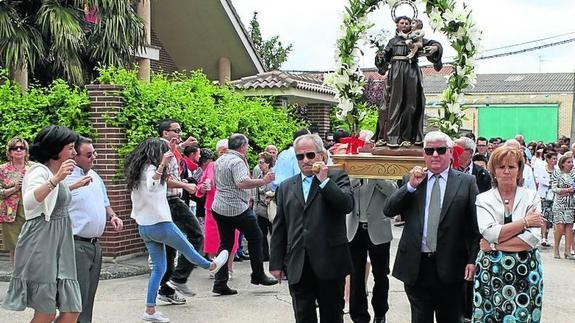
[[493, 246]]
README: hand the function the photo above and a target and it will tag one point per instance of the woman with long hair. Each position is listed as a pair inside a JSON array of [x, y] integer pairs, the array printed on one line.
[[11, 207], [44, 276], [146, 179]]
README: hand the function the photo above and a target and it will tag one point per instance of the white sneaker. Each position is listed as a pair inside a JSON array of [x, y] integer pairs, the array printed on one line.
[[181, 288], [220, 260], [156, 317]]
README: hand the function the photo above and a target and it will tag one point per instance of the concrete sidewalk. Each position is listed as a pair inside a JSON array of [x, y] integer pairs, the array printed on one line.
[[110, 270], [122, 300]]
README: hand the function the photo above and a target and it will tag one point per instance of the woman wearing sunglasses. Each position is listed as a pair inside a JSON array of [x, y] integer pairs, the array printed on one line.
[[11, 207], [265, 163]]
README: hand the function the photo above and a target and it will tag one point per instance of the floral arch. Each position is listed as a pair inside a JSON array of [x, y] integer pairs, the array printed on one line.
[[454, 21]]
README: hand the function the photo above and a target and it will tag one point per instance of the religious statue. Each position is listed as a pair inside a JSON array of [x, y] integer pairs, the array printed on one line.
[[400, 119]]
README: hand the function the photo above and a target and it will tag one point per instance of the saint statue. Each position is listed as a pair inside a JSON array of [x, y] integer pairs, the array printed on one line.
[[400, 119]]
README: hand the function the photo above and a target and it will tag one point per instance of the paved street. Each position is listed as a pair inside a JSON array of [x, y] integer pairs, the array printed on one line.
[[121, 300]]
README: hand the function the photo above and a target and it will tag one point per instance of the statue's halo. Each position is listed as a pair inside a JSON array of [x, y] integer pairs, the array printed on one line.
[[403, 3]]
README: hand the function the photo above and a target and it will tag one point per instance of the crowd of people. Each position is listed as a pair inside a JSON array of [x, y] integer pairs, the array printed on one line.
[[474, 219]]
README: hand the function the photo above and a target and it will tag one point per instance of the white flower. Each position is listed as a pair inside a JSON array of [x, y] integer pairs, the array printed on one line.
[[435, 19], [453, 127], [454, 107], [346, 106]]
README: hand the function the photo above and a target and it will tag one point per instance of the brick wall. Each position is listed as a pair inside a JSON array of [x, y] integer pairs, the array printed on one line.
[[106, 101], [318, 114]]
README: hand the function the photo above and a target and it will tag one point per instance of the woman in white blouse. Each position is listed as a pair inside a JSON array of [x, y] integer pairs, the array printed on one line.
[[509, 276], [146, 179]]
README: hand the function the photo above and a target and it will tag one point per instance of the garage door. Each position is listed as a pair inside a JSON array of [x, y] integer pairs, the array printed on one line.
[[534, 122]]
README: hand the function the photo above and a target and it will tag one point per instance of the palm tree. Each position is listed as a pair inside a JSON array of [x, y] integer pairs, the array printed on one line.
[[68, 38]]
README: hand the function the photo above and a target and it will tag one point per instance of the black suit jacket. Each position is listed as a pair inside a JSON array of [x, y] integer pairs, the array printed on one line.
[[316, 227], [457, 233], [482, 178]]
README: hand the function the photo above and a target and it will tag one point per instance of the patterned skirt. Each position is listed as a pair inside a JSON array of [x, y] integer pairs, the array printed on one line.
[[508, 287], [547, 210]]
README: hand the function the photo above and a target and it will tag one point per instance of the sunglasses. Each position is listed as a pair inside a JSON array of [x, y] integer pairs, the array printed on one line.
[[91, 155], [310, 155], [177, 130], [17, 148], [440, 150]]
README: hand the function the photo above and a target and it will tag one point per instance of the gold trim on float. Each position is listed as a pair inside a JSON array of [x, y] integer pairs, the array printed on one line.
[[366, 165]]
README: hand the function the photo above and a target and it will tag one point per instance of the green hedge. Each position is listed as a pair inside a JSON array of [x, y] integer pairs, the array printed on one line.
[[25, 114], [204, 110]]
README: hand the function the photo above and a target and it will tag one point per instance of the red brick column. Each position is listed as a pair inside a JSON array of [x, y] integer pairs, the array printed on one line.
[[318, 114], [106, 101]]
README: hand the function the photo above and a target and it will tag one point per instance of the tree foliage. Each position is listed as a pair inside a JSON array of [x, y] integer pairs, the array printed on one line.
[[25, 114], [205, 111], [272, 50], [68, 38]]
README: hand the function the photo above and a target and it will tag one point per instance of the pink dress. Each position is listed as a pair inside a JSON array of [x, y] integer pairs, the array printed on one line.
[[211, 234]]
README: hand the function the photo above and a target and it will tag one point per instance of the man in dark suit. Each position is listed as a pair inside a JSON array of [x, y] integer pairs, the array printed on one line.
[[309, 234], [440, 239], [483, 181], [369, 231], [466, 165]]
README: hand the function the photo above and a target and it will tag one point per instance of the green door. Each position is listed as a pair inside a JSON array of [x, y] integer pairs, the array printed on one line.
[[534, 121]]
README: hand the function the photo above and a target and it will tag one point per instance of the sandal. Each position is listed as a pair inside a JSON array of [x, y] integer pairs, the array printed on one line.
[[556, 256]]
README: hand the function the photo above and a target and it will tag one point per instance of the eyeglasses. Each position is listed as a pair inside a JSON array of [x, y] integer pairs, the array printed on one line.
[[310, 155], [440, 150], [90, 155], [17, 148], [177, 130]]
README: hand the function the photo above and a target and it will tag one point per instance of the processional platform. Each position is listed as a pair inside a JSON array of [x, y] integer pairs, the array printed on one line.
[[366, 165]]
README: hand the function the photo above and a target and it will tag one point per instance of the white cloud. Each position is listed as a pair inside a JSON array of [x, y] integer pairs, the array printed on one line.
[[312, 25]]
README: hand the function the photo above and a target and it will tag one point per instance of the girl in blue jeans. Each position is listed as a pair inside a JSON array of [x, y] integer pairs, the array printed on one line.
[[146, 172]]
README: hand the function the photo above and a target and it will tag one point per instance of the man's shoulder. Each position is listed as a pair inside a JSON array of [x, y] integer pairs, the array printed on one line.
[[461, 176]]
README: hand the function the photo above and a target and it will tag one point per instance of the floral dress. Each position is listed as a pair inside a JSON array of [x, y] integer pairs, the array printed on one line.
[[11, 208], [562, 205]]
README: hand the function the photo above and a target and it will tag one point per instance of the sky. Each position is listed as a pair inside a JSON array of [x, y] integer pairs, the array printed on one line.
[[312, 27]]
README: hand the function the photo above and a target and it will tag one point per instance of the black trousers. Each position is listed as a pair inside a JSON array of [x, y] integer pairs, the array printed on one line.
[[247, 224], [265, 227], [429, 295], [187, 222], [327, 293], [359, 247]]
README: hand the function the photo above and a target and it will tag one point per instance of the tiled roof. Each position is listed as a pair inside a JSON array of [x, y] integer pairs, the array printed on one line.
[[278, 79], [433, 82], [506, 83]]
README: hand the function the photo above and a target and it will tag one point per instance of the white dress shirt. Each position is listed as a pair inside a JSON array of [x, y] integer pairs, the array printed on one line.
[[88, 205], [430, 181]]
